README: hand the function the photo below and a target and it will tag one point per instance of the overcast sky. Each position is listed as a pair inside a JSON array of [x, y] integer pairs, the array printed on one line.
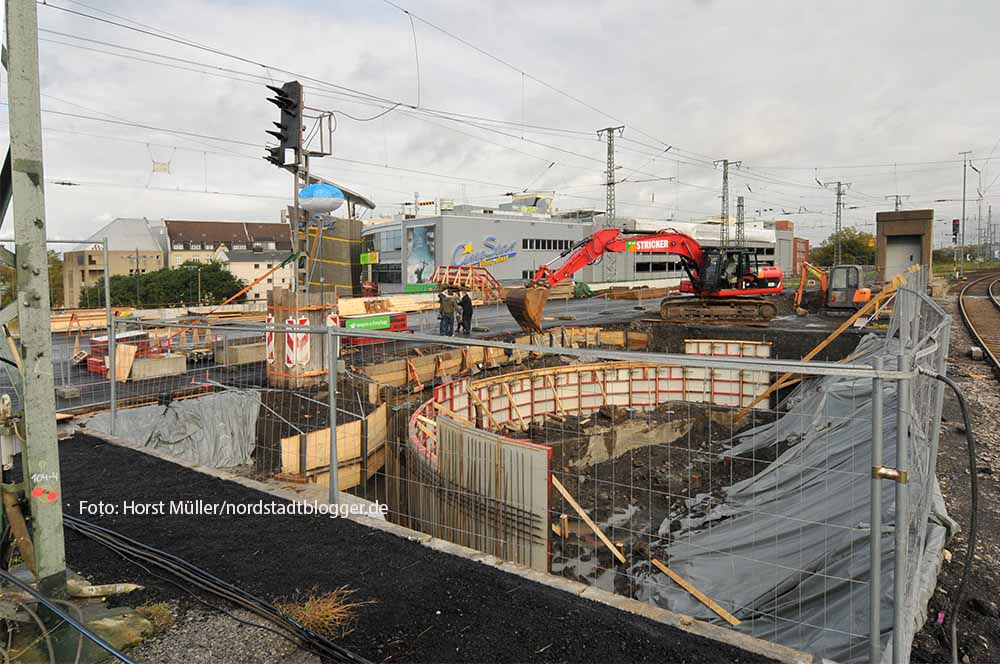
[[880, 94]]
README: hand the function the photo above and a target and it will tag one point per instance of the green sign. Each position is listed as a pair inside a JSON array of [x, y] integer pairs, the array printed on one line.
[[367, 323], [420, 288], [369, 258]]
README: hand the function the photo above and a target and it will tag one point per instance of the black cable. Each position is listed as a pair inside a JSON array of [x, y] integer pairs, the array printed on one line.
[[374, 117], [83, 629], [10, 362], [197, 577], [974, 489]]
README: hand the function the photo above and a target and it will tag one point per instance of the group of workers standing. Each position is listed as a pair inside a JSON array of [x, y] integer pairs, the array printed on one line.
[[452, 305]]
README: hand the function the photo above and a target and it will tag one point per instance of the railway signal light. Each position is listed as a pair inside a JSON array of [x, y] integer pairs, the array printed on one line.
[[288, 131], [956, 226]]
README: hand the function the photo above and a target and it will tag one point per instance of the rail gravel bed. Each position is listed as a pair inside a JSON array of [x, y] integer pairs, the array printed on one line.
[[426, 606]]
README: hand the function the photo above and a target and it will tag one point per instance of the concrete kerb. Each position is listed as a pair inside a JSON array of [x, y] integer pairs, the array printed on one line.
[[679, 621]]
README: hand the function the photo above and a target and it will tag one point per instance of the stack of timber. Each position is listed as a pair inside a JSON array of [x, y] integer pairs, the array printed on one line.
[[357, 306], [458, 361], [563, 290], [635, 293]]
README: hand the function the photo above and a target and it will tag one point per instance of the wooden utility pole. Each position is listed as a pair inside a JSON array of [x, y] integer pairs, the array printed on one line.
[[41, 454]]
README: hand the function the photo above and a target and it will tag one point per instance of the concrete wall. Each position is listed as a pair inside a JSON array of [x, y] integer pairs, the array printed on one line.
[[915, 224]]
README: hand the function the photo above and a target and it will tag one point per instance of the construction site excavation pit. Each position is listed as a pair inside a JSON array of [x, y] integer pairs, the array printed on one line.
[[598, 470]]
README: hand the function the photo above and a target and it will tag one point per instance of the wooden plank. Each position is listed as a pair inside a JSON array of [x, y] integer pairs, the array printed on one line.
[[489, 415], [555, 394], [318, 448], [513, 405], [124, 357], [427, 430], [586, 519], [700, 596], [452, 414]]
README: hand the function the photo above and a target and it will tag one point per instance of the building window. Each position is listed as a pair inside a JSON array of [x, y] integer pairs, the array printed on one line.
[[270, 265], [256, 266], [91, 261], [270, 281], [387, 273]]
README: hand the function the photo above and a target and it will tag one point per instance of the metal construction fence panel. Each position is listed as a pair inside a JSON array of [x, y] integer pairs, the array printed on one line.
[[659, 481]]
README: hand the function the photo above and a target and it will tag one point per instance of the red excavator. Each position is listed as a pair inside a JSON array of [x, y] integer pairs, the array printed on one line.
[[722, 280]]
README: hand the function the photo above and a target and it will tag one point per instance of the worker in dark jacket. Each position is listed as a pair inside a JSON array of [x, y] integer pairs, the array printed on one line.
[[466, 304]]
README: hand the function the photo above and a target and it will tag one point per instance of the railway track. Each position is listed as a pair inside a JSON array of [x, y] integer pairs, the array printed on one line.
[[979, 304]]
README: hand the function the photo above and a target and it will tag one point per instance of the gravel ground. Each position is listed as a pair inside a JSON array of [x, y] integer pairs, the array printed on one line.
[[979, 621], [203, 637], [424, 606]]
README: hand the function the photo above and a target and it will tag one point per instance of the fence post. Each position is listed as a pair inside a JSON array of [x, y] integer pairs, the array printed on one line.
[[332, 353], [875, 538], [902, 506], [112, 387]]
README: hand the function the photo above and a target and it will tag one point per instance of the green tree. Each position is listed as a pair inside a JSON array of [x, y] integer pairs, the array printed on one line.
[[168, 287], [8, 282], [56, 280], [856, 248]]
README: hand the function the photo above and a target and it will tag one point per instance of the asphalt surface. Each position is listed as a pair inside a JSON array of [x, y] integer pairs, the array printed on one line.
[[424, 606]]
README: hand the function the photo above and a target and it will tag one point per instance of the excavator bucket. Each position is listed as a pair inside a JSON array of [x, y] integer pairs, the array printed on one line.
[[526, 305]]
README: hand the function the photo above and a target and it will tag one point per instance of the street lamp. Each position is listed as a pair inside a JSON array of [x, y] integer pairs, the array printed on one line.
[[198, 268]]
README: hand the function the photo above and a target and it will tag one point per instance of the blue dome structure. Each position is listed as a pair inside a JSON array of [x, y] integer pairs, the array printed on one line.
[[320, 198]]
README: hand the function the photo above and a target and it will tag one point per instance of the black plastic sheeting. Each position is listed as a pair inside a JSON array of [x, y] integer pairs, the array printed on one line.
[[788, 550]]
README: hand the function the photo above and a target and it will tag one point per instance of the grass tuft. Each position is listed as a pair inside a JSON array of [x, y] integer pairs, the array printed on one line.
[[330, 614], [160, 614]]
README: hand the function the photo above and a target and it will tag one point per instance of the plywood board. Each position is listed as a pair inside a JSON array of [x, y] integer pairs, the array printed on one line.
[[124, 357], [318, 447]]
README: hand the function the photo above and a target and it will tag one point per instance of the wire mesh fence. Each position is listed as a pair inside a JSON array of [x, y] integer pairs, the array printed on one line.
[[672, 479]]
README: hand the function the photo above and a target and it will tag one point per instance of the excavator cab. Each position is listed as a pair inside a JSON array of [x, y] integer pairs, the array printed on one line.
[[735, 270], [846, 290]]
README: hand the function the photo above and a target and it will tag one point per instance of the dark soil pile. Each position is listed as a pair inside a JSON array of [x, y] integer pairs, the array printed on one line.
[[635, 473], [426, 606]]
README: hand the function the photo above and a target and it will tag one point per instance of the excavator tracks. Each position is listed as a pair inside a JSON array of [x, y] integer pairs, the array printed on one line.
[[720, 310]]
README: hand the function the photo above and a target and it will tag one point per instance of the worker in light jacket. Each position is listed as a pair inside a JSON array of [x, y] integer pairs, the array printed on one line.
[[466, 305], [447, 313]]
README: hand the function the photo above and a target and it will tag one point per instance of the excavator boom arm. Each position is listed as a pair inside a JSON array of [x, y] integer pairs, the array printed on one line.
[[615, 240]]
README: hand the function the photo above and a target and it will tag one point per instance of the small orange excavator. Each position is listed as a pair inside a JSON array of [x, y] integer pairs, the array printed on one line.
[[840, 286], [722, 280]]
